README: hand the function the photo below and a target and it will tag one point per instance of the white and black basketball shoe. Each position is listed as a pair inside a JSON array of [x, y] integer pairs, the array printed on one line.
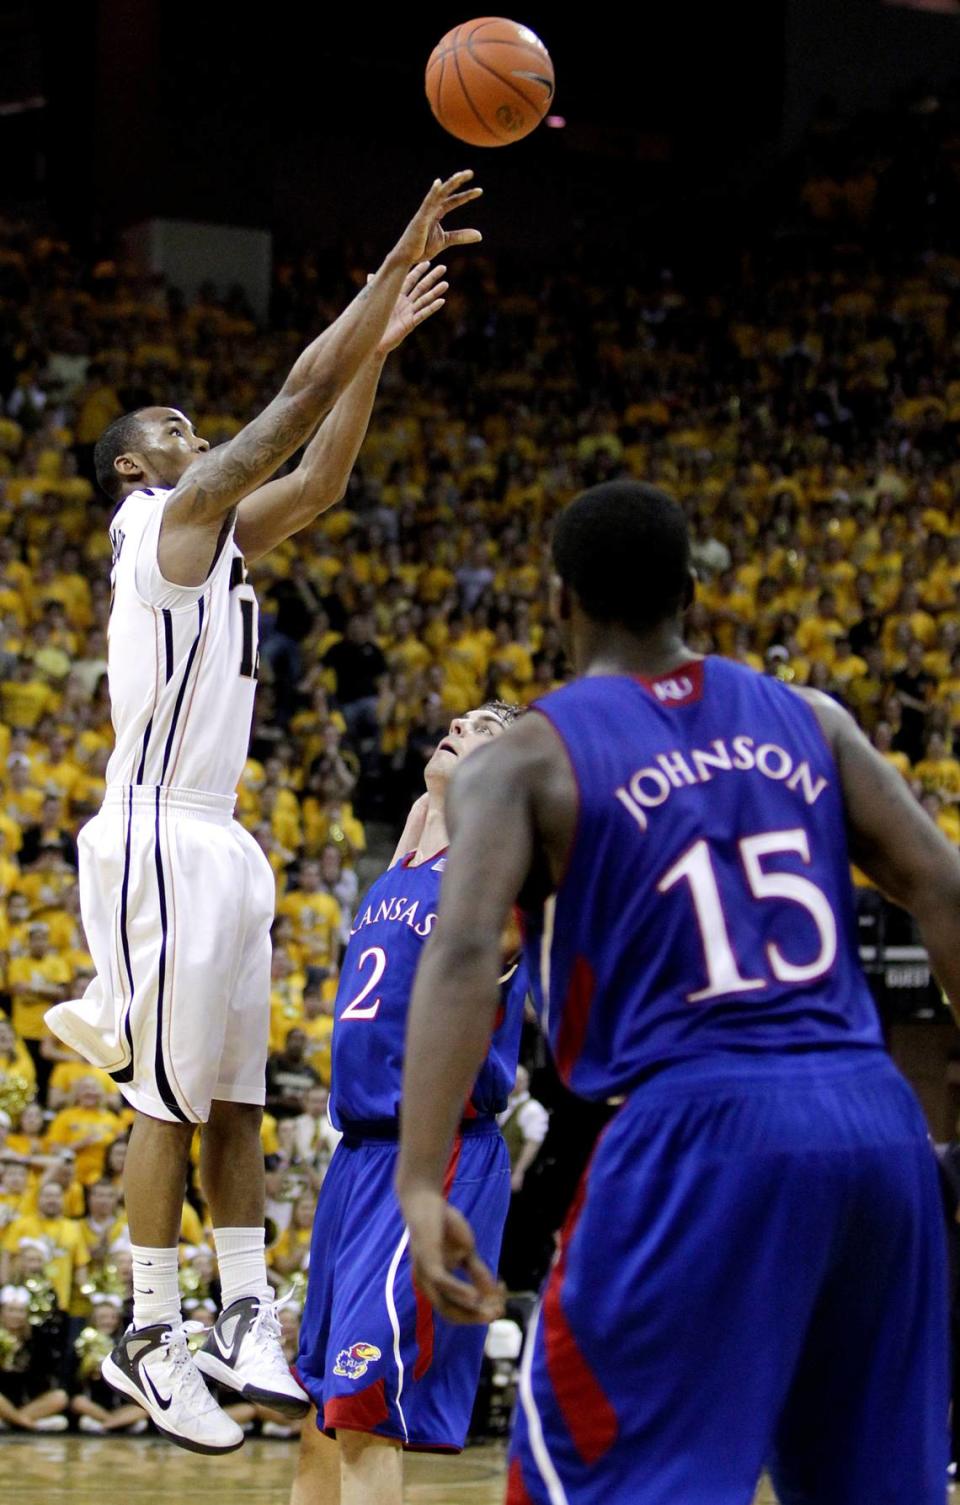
[[243, 1352], [154, 1367]]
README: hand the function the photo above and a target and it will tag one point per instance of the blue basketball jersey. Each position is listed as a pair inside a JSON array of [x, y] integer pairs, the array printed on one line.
[[707, 905], [394, 919]]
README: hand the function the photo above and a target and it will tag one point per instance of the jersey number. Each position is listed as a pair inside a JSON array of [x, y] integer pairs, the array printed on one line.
[[353, 1009], [250, 654], [696, 868]]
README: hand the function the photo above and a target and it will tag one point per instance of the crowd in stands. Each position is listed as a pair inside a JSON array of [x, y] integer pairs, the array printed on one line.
[[806, 414]]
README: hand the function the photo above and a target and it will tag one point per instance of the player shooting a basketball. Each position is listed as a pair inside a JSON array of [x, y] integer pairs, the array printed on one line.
[[177, 899]]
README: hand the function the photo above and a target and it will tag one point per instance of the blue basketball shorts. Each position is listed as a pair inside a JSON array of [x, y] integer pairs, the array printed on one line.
[[374, 1356], [752, 1275]]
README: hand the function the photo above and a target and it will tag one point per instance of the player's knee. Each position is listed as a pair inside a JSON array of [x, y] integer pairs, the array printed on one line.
[[355, 1445], [371, 1469], [318, 1464], [311, 1436], [160, 1135], [232, 1119]]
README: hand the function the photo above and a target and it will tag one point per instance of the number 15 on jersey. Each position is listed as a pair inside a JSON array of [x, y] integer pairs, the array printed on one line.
[[696, 868]]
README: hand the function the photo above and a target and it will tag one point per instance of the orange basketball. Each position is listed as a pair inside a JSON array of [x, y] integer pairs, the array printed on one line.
[[490, 81]]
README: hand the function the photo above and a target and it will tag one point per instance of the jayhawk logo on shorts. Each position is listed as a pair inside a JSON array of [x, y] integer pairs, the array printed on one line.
[[352, 1362]]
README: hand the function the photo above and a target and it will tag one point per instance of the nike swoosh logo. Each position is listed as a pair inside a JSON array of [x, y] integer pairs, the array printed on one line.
[[163, 1404], [231, 1350]]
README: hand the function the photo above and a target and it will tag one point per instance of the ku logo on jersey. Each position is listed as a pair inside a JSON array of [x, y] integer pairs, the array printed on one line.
[[353, 1362], [673, 689]]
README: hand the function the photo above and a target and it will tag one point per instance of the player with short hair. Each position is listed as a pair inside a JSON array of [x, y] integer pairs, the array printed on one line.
[[177, 898], [384, 1377], [752, 1270]]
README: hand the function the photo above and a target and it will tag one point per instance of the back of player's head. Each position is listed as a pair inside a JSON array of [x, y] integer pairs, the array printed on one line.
[[121, 436], [623, 549]]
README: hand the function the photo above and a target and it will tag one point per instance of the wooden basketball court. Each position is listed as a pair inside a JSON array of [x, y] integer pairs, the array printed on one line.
[[63, 1470]]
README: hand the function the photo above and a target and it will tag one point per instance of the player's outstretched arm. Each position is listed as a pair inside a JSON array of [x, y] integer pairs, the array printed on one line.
[[216, 482], [493, 821], [896, 843], [282, 507]]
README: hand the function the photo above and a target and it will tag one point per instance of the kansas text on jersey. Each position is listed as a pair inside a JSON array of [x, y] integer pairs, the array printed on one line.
[[394, 919]]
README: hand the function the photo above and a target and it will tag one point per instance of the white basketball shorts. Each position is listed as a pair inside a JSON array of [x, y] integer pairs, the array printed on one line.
[[177, 902]]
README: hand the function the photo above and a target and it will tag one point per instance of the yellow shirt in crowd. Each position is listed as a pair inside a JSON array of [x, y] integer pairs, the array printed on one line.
[[73, 1126], [28, 1008], [65, 1245]]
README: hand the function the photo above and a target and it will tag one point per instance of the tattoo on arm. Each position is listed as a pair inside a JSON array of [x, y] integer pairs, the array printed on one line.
[[223, 477]]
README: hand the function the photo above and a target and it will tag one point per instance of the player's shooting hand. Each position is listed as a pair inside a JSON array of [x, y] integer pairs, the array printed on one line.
[[421, 295], [441, 1241], [425, 237]]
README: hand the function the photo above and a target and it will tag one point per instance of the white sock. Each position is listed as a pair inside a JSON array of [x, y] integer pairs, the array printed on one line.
[[242, 1264], [156, 1286]]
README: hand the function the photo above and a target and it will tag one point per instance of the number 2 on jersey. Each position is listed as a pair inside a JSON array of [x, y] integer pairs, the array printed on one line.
[[696, 868], [353, 1009]]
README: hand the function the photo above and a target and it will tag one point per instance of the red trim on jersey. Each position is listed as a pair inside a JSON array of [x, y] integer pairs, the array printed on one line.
[[424, 1326], [424, 861], [360, 1412], [452, 1164], [590, 1418], [575, 1016], [424, 1333], [517, 1493], [680, 686]]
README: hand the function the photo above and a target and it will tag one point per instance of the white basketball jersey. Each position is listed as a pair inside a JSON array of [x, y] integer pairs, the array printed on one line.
[[182, 661]]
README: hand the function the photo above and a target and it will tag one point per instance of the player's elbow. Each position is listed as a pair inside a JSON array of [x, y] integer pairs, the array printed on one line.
[[934, 894], [323, 474], [321, 491], [464, 952]]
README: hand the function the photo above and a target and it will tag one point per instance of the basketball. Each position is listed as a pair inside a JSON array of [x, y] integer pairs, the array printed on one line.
[[490, 81]]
